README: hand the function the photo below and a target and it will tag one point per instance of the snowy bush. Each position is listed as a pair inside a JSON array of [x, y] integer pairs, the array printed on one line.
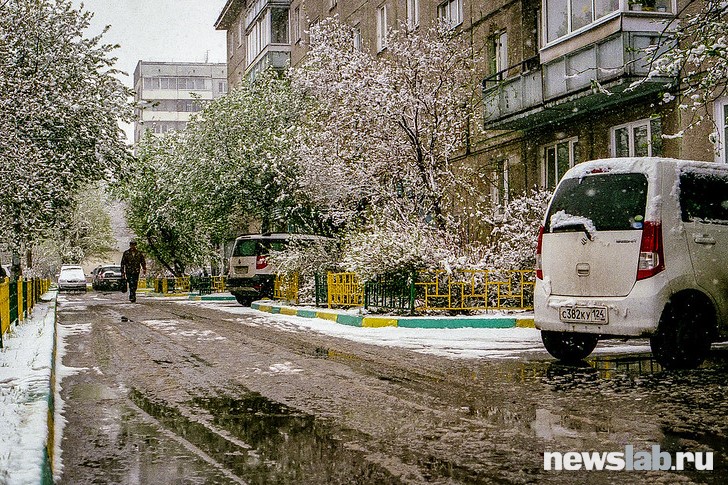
[[515, 232], [394, 247]]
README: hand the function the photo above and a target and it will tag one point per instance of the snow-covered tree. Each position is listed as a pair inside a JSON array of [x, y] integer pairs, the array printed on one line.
[[231, 166], [159, 196], [699, 57], [381, 132], [84, 233], [60, 104], [240, 151]]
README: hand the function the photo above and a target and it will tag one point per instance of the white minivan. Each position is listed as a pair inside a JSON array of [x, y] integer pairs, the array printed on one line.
[[249, 275], [635, 247]]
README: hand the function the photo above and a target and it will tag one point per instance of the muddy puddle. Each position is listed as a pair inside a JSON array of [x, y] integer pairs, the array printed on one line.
[[264, 442]]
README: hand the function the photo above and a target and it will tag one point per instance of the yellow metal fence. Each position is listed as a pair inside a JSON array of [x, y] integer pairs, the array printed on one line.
[[286, 287], [475, 290], [460, 290], [344, 289], [17, 300]]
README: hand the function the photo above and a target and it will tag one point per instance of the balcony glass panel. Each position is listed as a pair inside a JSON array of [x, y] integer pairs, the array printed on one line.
[[605, 7], [581, 13], [557, 19]]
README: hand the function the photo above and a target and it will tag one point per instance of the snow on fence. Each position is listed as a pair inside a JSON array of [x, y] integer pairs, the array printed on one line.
[[17, 299]]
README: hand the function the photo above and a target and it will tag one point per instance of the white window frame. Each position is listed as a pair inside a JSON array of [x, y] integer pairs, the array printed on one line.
[[499, 42], [501, 176], [296, 24], [572, 143], [451, 12], [356, 37], [720, 108], [382, 30], [631, 142], [413, 14]]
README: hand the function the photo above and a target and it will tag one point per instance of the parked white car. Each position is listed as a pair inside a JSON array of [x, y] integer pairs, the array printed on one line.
[[71, 278], [635, 247]]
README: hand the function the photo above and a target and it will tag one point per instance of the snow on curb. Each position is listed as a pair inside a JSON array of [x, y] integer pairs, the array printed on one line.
[[26, 398], [498, 320]]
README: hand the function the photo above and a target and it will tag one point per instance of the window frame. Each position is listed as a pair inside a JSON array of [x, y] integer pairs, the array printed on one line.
[[413, 14], [720, 108], [630, 126], [572, 146], [500, 189], [382, 30], [445, 10]]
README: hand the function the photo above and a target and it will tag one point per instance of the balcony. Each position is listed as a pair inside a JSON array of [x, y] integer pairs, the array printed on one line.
[[591, 77]]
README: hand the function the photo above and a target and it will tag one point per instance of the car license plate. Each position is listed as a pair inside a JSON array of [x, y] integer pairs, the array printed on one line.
[[583, 314]]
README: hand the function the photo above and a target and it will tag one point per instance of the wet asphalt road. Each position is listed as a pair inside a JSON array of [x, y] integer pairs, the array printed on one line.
[[161, 393]]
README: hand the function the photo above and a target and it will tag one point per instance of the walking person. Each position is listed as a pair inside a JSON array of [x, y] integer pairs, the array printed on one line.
[[131, 262]]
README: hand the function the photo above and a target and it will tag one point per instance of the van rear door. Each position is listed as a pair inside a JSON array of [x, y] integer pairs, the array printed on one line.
[[592, 234]]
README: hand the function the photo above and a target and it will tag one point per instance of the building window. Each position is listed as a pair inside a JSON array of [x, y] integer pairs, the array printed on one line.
[[557, 159], [381, 28], [641, 138], [566, 16], [222, 87], [451, 13], [356, 37], [241, 32], [413, 14], [500, 187], [296, 24], [498, 54], [279, 25], [721, 123]]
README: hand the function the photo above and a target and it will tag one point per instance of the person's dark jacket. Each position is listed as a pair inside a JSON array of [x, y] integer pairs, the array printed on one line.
[[132, 261]]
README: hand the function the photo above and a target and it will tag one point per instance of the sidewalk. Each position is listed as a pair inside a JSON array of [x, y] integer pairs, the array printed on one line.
[[352, 318]]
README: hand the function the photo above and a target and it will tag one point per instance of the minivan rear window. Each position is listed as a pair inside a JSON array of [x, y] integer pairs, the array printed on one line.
[[251, 247], [610, 201]]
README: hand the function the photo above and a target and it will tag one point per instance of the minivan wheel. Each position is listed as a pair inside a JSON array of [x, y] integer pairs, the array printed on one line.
[[683, 336], [244, 300], [568, 346]]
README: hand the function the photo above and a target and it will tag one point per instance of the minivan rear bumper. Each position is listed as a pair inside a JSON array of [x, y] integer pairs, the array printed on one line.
[[634, 315], [255, 286]]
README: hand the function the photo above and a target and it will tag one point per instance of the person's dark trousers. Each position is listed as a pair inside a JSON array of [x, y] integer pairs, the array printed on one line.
[[133, 281]]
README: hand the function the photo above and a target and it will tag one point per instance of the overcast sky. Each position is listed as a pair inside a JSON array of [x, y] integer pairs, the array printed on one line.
[[158, 30]]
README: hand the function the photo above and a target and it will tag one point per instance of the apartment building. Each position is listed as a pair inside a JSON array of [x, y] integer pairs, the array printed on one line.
[[557, 78], [167, 94]]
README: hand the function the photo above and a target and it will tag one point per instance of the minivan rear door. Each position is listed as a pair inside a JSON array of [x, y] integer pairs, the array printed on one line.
[[592, 234], [704, 211]]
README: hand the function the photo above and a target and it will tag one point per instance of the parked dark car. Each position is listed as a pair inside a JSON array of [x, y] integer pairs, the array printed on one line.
[[107, 278]]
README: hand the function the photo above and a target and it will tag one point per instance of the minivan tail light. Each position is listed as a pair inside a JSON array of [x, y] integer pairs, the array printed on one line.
[[261, 262], [652, 258], [539, 246]]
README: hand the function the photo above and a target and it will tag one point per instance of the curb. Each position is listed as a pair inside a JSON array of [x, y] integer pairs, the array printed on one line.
[[396, 321], [48, 452]]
